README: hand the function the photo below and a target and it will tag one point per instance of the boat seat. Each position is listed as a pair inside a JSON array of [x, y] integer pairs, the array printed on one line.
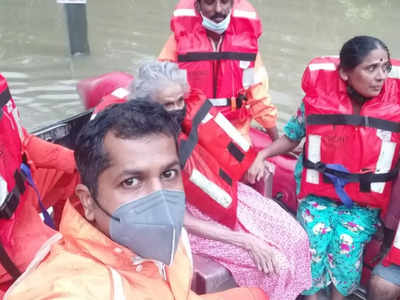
[[210, 276]]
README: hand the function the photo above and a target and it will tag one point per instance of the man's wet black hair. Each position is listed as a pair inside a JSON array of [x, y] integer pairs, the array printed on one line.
[[356, 49], [130, 120]]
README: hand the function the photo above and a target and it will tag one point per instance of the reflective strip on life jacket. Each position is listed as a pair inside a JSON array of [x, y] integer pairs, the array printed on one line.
[[233, 133], [184, 12], [314, 155], [220, 101], [235, 103], [322, 66], [210, 188], [239, 13], [3, 190], [118, 287], [395, 72], [120, 93], [383, 165]]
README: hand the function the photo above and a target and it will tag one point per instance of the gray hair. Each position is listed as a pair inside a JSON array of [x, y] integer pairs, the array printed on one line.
[[155, 76]]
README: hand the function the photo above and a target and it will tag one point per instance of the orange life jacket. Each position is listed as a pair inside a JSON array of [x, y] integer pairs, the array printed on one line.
[[217, 135], [362, 150], [22, 231], [221, 74], [11, 135]]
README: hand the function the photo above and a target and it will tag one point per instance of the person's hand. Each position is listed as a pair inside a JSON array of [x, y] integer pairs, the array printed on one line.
[[256, 171], [262, 254]]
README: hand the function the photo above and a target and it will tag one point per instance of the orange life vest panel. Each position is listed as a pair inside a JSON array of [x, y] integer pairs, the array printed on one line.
[[217, 135], [221, 74], [214, 157], [11, 134], [207, 185], [362, 150], [21, 230]]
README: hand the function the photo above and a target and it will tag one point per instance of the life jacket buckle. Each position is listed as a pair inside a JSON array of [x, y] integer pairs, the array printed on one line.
[[9, 205]]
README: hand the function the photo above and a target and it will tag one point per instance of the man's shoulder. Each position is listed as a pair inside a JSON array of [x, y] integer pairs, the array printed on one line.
[[67, 274]]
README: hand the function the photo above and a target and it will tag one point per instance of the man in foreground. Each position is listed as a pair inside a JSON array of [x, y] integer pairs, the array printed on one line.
[[131, 243]]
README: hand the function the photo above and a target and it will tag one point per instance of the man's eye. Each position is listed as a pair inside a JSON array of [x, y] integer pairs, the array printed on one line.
[[130, 182], [170, 174]]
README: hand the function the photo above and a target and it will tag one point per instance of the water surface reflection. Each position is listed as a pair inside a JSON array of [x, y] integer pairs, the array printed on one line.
[[34, 53]]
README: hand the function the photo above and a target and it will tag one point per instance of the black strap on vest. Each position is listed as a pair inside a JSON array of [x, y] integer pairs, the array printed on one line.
[[225, 177], [7, 209], [186, 146], [240, 101], [8, 264], [356, 120], [10, 204], [235, 151], [205, 56], [5, 96], [365, 179]]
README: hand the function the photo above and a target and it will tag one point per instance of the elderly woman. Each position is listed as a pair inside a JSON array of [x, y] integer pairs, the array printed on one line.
[[350, 118], [266, 248]]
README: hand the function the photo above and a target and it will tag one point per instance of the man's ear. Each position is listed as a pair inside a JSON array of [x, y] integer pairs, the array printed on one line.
[[88, 203], [343, 75]]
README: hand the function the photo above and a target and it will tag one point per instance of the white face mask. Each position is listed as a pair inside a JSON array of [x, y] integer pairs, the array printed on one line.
[[216, 27]]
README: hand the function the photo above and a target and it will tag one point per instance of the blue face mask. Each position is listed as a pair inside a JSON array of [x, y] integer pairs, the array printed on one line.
[[150, 226], [216, 27]]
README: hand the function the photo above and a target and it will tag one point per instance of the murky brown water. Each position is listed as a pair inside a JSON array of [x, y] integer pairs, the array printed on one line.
[[34, 53]]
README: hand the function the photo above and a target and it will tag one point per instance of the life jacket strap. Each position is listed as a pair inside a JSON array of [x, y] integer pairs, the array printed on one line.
[[28, 176], [225, 177], [8, 264], [207, 56], [233, 102], [356, 120], [5, 96], [10, 203], [186, 146], [365, 179]]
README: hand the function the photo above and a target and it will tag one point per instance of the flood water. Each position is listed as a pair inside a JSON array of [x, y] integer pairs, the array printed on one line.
[[34, 49]]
